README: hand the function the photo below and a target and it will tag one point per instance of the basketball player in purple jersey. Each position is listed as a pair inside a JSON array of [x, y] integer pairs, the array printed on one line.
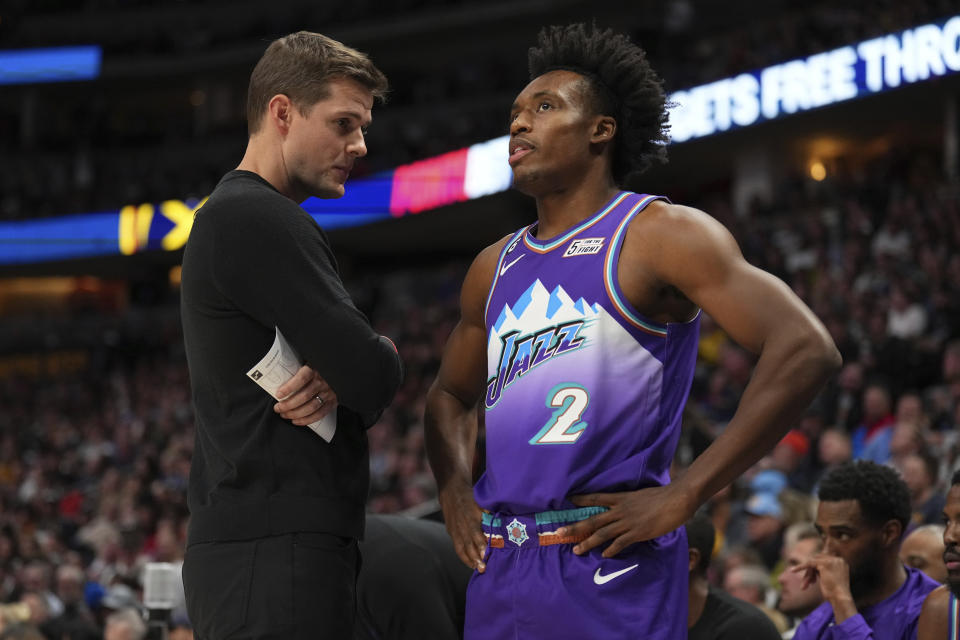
[[579, 335], [940, 617], [868, 593]]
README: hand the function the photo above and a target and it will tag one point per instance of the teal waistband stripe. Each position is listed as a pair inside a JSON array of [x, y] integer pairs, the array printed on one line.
[[490, 521], [568, 515], [550, 517]]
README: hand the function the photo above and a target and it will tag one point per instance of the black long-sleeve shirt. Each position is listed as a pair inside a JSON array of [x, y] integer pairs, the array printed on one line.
[[727, 618], [254, 261]]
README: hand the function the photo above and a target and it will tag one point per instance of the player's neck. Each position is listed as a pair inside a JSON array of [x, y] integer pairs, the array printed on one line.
[[893, 578], [563, 209]]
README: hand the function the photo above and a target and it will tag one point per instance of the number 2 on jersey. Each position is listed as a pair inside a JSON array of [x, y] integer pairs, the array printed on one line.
[[564, 427]]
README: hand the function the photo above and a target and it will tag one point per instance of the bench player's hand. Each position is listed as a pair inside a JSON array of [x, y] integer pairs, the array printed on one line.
[[834, 574], [306, 397], [462, 516], [632, 516]]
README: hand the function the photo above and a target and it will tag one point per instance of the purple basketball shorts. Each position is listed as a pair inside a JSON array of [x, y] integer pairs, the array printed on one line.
[[534, 585]]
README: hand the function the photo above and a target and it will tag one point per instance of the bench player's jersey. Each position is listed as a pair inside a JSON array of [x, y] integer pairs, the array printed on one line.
[[953, 618], [583, 393]]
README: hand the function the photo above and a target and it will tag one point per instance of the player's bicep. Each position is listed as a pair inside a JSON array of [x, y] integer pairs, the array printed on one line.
[[701, 258], [751, 304], [463, 367]]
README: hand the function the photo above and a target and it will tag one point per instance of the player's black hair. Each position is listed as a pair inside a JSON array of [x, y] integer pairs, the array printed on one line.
[[955, 480], [700, 536], [623, 85], [880, 491]]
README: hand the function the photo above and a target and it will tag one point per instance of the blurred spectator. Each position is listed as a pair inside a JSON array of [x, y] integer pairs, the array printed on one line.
[[751, 583], [39, 613], [905, 442], [945, 396], [734, 557], [906, 319], [910, 411], [119, 597], [926, 502], [871, 440], [845, 404], [923, 549], [834, 448], [35, 578], [76, 622], [790, 452], [13, 615], [765, 526], [21, 632], [774, 480], [892, 239], [125, 624], [796, 602], [713, 614]]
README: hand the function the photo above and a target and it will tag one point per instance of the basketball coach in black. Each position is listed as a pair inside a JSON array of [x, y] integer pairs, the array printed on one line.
[[275, 509]]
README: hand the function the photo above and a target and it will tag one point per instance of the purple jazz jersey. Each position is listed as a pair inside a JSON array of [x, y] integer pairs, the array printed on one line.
[[893, 619], [584, 394]]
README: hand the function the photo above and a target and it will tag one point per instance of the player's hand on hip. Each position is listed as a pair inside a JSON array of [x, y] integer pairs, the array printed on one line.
[[306, 397], [463, 518], [631, 516]]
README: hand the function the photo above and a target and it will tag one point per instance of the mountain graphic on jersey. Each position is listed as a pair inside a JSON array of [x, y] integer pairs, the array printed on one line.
[[539, 327]]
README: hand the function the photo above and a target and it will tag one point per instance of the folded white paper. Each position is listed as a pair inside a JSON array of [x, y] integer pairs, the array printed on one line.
[[279, 365]]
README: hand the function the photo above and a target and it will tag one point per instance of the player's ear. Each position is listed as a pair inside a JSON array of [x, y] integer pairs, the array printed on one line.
[[693, 559], [604, 128], [891, 532]]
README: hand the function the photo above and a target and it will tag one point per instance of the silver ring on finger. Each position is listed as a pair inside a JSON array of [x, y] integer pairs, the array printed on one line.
[[319, 400]]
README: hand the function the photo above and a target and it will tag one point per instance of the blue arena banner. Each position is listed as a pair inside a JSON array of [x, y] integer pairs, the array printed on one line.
[[48, 239], [854, 71], [166, 225], [365, 200], [55, 64]]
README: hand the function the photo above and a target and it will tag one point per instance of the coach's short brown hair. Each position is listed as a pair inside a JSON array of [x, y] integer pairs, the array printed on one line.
[[300, 66]]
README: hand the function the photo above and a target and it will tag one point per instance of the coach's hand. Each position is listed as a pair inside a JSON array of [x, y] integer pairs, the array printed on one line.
[[632, 516], [463, 517], [306, 397]]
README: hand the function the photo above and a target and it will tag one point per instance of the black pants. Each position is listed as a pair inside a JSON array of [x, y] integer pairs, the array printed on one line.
[[299, 585]]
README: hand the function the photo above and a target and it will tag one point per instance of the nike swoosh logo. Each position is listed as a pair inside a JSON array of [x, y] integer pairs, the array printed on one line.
[[599, 579], [504, 268]]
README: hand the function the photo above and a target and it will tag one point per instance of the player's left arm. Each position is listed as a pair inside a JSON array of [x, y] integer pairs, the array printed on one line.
[[687, 249]]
